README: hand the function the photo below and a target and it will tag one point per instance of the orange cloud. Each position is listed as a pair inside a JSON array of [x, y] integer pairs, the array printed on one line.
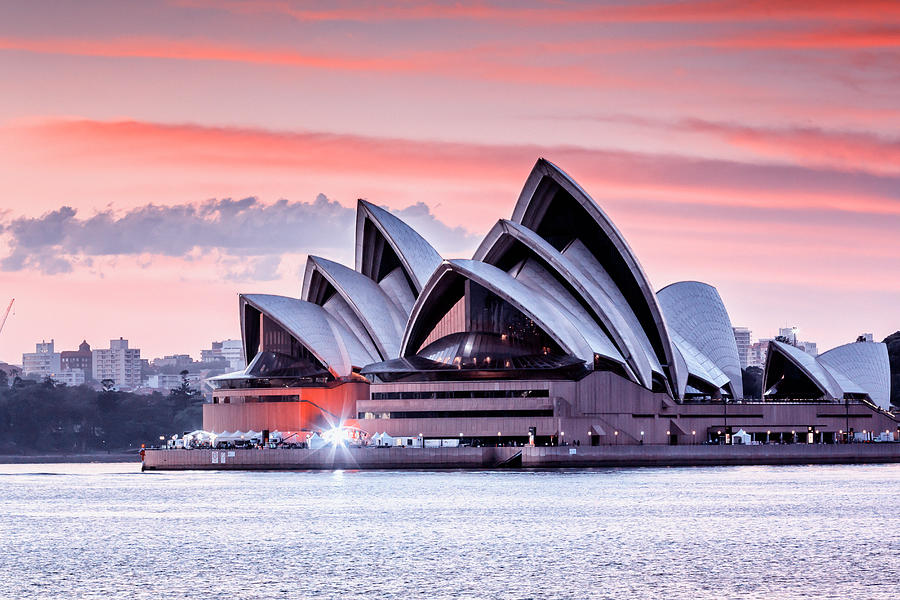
[[567, 12], [472, 64], [130, 145], [812, 145], [201, 50], [842, 39]]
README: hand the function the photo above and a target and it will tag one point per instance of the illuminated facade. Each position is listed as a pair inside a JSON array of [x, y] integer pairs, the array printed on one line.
[[551, 328]]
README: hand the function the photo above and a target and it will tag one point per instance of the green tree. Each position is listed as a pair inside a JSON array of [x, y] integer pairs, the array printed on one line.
[[753, 382]]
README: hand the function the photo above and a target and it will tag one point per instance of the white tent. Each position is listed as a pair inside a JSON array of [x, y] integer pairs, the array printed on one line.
[[237, 436], [316, 441], [197, 436], [387, 440], [221, 438], [375, 440], [741, 438]]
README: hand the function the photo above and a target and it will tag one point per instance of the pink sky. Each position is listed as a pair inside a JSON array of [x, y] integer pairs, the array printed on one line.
[[751, 145]]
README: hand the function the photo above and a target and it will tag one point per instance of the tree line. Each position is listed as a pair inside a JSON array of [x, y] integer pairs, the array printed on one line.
[[47, 417]]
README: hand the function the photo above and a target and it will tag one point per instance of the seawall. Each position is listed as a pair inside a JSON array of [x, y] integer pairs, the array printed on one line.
[[524, 457]]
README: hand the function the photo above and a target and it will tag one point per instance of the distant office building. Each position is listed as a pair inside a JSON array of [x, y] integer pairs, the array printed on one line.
[[43, 362], [810, 348], [81, 359], [70, 377], [788, 333], [742, 338], [229, 350], [169, 381], [233, 353], [119, 363], [212, 354], [179, 361], [756, 353], [866, 337]]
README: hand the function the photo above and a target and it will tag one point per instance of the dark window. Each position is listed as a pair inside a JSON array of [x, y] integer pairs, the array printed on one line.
[[458, 394], [457, 414]]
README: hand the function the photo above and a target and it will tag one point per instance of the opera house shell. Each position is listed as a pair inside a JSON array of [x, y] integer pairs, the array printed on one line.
[[551, 327]]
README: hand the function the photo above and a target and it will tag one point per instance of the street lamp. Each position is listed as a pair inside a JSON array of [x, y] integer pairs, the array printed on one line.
[[694, 434], [616, 437], [642, 438]]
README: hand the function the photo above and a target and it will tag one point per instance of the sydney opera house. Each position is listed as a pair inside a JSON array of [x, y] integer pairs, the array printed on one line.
[[551, 329]]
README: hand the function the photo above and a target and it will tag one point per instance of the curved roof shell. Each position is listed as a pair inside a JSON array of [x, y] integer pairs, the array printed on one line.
[[417, 257], [855, 369], [817, 374], [553, 320], [505, 234], [380, 318], [695, 311], [320, 333], [554, 206], [699, 365], [867, 365]]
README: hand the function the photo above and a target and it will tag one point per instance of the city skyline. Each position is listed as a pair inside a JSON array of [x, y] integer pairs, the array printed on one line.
[[752, 148]]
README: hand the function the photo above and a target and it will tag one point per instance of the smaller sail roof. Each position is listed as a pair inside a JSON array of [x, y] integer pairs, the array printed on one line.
[[380, 317], [808, 364], [695, 312], [320, 333], [544, 313], [867, 365], [418, 257]]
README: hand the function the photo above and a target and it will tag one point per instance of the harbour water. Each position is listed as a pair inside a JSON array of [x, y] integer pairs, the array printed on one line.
[[107, 530]]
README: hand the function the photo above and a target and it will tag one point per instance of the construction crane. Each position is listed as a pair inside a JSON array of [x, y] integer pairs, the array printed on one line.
[[6, 314]]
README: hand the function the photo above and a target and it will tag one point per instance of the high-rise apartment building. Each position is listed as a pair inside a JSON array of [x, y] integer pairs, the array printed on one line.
[[757, 352], [742, 337], [119, 363], [789, 333], [230, 350], [43, 362], [70, 377]]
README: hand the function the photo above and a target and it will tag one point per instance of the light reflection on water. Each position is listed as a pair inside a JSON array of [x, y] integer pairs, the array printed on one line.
[[107, 530]]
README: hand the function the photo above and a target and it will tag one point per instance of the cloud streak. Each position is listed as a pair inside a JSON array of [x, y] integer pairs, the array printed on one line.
[[811, 146], [128, 144], [483, 62], [564, 13]]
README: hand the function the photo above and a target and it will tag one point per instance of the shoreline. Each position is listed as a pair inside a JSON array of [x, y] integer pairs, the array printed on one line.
[[516, 457], [90, 457]]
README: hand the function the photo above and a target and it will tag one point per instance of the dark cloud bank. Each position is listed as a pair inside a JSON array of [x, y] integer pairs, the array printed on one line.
[[252, 235]]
